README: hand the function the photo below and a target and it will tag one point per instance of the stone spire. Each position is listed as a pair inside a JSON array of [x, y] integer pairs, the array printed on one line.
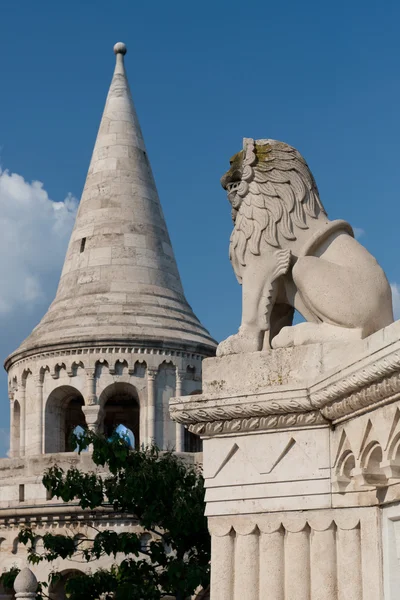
[[120, 283]]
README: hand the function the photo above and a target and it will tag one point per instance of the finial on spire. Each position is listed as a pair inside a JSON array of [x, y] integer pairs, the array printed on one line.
[[120, 48]]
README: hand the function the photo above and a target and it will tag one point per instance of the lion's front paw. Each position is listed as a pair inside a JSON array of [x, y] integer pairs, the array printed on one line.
[[243, 341]]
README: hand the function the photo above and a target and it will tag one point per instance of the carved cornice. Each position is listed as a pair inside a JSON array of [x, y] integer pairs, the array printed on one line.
[[339, 385], [382, 392], [365, 384], [273, 409], [259, 423], [105, 350], [63, 518]]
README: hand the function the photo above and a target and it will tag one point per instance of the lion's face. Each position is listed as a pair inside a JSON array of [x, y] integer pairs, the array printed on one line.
[[272, 193], [232, 181]]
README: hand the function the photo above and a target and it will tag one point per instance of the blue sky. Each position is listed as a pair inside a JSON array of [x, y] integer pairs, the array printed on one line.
[[324, 77]]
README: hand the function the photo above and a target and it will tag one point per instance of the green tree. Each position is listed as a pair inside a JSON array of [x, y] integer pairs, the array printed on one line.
[[166, 496]]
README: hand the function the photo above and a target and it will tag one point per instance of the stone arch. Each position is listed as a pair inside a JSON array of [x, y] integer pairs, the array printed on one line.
[[346, 464], [72, 369], [120, 366], [120, 403], [55, 372], [63, 412], [101, 367], [17, 546], [38, 544], [371, 456], [78, 541], [393, 452], [57, 589], [139, 368], [371, 463], [42, 372], [25, 374], [16, 428]]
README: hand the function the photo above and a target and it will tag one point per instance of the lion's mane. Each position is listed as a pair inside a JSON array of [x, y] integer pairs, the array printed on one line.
[[278, 194]]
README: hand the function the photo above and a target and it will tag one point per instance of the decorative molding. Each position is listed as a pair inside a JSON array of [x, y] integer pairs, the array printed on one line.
[[351, 390], [258, 423], [347, 519], [363, 376], [384, 391], [115, 349], [88, 358], [205, 407], [66, 522]]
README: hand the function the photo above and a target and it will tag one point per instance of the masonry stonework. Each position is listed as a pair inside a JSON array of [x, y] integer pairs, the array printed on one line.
[[118, 341]]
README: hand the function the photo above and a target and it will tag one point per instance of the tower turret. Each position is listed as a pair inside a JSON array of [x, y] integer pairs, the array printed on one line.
[[119, 338]]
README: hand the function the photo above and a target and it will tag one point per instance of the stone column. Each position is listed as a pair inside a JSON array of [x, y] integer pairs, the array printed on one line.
[[25, 585], [151, 405], [23, 419], [38, 445], [246, 563], [297, 558], [90, 394], [272, 564], [222, 551], [349, 564], [93, 415], [323, 563], [180, 430], [13, 450]]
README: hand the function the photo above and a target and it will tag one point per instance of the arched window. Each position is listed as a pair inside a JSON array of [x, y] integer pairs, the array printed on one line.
[[63, 414], [121, 411], [57, 589]]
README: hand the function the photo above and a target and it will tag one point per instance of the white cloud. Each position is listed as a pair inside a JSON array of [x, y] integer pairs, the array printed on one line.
[[396, 299], [358, 232], [34, 233]]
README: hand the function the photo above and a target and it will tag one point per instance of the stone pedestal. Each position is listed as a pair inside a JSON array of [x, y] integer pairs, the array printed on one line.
[[302, 469]]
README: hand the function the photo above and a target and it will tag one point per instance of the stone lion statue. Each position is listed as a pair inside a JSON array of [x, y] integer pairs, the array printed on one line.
[[288, 255]]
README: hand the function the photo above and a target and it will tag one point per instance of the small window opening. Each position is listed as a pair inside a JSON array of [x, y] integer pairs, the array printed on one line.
[[49, 495], [21, 492], [83, 242]]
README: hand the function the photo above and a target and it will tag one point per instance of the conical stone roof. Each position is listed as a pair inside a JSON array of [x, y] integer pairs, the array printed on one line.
[[120, 283]]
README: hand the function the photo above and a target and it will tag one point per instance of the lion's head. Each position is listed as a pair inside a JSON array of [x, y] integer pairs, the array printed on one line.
[[272, 191]]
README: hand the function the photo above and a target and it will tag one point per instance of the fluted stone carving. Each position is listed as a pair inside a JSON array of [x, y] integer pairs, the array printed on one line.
[[297, 556]]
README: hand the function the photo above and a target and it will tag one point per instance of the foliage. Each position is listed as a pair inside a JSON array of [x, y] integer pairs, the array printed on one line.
[[165, 495], [7, 578]]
